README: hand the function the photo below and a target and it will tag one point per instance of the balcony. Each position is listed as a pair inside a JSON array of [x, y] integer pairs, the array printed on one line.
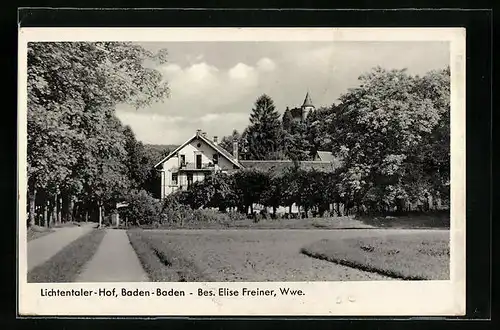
[[191, 167]]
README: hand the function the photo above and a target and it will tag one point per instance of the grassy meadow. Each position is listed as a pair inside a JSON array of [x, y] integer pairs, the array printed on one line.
[[278, 255], [410, 257]]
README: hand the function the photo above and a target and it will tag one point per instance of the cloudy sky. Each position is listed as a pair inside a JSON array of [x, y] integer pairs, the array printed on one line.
[[214, 84]]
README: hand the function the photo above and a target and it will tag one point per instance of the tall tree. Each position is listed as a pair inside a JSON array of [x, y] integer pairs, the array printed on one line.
[[265, 133], [318, 129], [296, 144], [71, 84], [287, 120], [382, 126]]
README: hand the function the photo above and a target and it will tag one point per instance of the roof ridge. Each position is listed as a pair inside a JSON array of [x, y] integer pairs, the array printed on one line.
[[218, 148]]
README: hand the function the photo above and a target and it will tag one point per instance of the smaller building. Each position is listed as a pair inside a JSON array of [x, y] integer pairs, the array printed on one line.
[[325, 156], [301, 113]]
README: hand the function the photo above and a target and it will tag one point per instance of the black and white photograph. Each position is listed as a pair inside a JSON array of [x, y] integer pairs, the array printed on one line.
[[229, 161]]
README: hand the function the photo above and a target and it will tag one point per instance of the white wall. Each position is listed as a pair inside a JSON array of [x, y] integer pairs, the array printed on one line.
[[190, 151]]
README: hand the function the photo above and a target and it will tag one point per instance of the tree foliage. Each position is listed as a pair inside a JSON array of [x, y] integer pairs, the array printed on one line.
[[76, 145], [264, 134], [385, 132]]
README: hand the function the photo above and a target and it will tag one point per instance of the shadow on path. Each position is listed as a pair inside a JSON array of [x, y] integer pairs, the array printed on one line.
[[42, 249]]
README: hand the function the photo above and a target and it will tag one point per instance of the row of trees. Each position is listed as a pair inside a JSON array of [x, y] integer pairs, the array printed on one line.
[[312, 191], [391, 132], [81, 159]]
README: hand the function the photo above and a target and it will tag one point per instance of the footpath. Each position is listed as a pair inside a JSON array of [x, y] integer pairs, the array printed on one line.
[[42, 249], [114, 261]]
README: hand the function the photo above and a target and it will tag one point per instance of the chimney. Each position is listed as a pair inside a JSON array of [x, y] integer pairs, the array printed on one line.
[[198, 132], [216, 141], [235, 149], [204, 134]]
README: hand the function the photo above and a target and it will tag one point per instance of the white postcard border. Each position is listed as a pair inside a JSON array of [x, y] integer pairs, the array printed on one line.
[[373, 298]]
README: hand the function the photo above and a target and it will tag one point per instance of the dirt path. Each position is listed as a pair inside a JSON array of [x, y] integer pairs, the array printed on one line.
[[42, 249], [114, 261]]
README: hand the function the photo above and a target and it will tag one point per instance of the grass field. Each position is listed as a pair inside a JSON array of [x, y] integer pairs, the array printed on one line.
[[346, 222], [162, 262], [437, 219], [35, 232], [433, 220], [67, 263], [410, 257], [239, 255]]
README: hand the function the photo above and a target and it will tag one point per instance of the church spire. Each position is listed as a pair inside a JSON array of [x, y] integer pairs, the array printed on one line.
[[307, 106], [307, 101]]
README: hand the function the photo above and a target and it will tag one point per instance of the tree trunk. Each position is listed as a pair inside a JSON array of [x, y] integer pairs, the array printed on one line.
[[32, 197], [71, 208], [54, 210], [290, 209], [65, 207], [45, 214], [86, 216], [59, 209], [100, 214], [274, 211], [68, 203], [75, 212]]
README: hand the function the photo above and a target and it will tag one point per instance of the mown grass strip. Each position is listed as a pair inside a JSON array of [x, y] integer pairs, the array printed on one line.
[[35, 232], [67, 263], [163, 264], [407, 257]]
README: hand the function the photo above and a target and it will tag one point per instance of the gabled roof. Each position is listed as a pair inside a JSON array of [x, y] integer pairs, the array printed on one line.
[[216, 147], [307, 101], [325, 156]]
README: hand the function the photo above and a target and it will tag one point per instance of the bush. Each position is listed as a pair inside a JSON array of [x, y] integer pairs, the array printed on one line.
[[178, 215], [142, 208]]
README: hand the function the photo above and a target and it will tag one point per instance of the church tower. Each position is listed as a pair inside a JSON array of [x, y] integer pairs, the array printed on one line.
[[307, 106]]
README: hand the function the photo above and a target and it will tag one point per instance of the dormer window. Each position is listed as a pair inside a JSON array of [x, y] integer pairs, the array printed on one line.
[[183, 160]]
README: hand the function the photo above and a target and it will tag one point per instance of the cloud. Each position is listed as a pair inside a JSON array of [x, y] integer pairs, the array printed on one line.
[[201, 87], [266, 64], [241, 71], [216, 93], [153, 128], [165, 129], [170, 70], [226, 117]]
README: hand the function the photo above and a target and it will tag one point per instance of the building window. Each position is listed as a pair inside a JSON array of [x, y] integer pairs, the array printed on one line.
[[174, 179], [183, 160], [189, 179], [216, 159], [198, 161]]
